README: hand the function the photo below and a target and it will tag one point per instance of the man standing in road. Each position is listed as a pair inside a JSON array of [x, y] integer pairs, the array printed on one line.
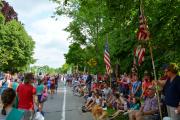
[[88, 82], [26, 95]]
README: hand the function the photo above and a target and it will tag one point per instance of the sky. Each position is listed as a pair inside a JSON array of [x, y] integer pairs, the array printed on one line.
[[50, 40]]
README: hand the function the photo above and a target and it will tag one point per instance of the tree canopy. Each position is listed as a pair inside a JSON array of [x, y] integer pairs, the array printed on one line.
[[16, 46], [8, 11], [94, 19]]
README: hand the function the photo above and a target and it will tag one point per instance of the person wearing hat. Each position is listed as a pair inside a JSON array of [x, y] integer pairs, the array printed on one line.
[[171, 91], [149, 109]]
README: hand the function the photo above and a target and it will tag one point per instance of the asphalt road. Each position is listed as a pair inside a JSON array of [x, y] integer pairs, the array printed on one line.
[[65, 106]]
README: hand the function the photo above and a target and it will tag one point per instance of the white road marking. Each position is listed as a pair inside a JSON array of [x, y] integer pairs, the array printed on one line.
[[64, 105]]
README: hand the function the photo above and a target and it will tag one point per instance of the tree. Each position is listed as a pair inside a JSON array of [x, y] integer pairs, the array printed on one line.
[[8, 12], [65, 67], [45, 70], [75, 55], [84, 28], [16, 46], [93, 19]]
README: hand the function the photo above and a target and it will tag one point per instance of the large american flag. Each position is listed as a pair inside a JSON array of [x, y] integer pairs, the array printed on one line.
[[107, 58], [142, 35], [143, 32]]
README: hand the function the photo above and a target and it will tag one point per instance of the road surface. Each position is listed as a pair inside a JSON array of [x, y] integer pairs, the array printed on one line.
[[65, 106]]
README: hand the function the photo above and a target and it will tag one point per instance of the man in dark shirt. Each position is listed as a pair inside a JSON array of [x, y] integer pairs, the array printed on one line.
[[171, 89], [88, 82], [56, 82]]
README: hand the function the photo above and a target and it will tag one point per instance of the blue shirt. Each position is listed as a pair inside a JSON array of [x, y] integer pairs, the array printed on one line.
[[172, 92], [135, 106], [4, 86], [135, 85], [49, 83], [15, 85]]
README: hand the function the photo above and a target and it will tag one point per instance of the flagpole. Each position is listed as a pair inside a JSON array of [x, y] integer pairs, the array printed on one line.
[[155, 77], [152, 60], [109, 74]]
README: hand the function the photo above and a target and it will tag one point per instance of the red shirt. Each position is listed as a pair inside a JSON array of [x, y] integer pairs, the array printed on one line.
[[99, 77], [145, 86], [95, 86], [25, 94]]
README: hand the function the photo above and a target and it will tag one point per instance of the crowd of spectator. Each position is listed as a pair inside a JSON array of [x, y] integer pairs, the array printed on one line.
[[137, 99], [23, 95]]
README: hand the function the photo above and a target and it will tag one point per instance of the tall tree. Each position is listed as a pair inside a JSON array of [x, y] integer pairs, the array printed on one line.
[[75, 55], [16, 46], [92, 19], [8, 11]]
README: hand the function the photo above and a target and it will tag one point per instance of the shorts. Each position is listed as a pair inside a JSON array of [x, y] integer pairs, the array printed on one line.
[[28, 115], [149, 117], [39, 98], [52, 86]]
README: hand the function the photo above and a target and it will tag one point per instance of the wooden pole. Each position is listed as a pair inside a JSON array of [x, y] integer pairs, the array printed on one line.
[[151, 53], [155, 77]]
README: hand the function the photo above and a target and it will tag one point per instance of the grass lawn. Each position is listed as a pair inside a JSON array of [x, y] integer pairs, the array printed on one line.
[[120, 117]]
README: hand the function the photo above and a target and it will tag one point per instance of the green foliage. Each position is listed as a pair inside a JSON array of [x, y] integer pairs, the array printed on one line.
[[75, 55], [2, 19], [65, 68], [8, 11], [111, 111], [44, 70], [16, 46], [93, 19]]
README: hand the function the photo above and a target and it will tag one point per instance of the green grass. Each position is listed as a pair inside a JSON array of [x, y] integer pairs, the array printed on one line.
[[120, 117]]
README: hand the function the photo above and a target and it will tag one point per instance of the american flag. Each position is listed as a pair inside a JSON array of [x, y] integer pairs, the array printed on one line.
[[143, 32], [142, 35], [139, 52], [107, 58]]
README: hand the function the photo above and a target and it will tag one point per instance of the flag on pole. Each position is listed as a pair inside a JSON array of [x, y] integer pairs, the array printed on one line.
[[143, 32], [107, 58], [142, 35], [139, 52]]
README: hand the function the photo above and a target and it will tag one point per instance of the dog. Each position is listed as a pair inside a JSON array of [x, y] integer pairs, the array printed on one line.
[[98, 113]]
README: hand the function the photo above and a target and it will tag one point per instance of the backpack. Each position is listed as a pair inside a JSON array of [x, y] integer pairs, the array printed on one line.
[[44, 96]]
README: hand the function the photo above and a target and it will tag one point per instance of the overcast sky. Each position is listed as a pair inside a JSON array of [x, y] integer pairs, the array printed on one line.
[[51, 40]]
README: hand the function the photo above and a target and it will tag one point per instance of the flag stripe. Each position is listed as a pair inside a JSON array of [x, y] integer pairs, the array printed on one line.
[[139, 52], [107, 58], [143, 32], [141, 56]]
